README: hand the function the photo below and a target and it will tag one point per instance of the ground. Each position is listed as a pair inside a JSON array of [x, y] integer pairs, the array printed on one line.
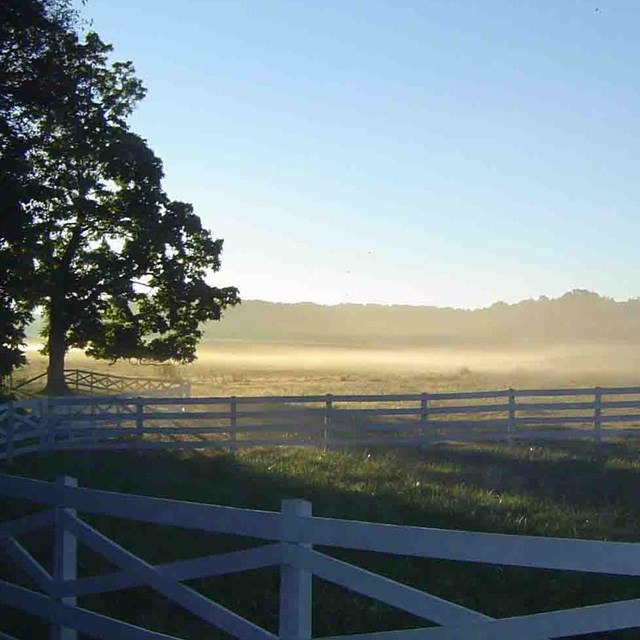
[[564, 490], [244, 368]]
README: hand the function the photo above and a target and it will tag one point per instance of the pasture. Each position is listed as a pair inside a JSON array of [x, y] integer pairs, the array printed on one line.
[[255, 368], [559, 489]]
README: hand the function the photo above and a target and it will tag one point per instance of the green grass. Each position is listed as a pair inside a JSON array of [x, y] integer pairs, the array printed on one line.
[[561, 490]]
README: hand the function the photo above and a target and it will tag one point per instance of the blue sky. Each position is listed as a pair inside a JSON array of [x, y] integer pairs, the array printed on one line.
[[451, 153]]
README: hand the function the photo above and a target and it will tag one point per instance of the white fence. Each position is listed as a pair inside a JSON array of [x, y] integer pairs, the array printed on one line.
[[116, 422], [291, 536], [87, 381]]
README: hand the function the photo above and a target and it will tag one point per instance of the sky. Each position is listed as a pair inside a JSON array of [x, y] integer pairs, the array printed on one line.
[[448, 153]]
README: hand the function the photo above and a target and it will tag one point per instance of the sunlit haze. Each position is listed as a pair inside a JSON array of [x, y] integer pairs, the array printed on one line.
[[399, 151]]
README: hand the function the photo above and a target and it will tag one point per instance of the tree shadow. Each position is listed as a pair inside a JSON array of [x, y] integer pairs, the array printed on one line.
[[574, 475], [260, 480]]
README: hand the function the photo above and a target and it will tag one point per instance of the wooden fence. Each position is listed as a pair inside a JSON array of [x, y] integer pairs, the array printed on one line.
[[93, 382], [291, 535], [116, 422]]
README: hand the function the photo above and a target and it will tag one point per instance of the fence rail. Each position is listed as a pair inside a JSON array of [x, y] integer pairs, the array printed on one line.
[[125, 422], [92, 382], [290, 536]]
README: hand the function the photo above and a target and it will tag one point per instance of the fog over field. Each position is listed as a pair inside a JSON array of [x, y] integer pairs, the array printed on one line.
[[580, 339], [588, 363], [581, 359], [577, 316], [245, 368]]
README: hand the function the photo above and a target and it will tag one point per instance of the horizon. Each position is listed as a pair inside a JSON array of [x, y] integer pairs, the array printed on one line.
[[538, 298], [396, 153]]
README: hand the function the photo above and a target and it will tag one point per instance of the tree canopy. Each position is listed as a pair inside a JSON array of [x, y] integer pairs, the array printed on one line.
[[118, 268]]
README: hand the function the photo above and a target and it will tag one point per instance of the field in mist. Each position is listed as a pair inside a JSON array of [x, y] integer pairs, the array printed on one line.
[[578, 339], [253, 368]]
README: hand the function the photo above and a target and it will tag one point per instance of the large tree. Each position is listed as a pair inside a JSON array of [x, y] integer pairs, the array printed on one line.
[[29, 33], [118, 268]]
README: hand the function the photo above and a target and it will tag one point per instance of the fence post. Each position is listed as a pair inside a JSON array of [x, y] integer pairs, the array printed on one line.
[[65, 555], [93, 412], [139, 422], [233, 422], [11, 424], [328, 408], [511, 422], [597, 417], [424, 413], [44, 426], [185, 391], [49, 423], [296, 594]]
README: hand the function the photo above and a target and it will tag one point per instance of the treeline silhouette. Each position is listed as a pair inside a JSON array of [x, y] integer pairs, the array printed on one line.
[[578, 315]]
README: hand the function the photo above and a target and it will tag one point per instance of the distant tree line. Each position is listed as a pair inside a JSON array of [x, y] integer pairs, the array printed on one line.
[[577, 315]]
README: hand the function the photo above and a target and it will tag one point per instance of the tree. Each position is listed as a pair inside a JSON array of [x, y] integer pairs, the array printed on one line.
[[29, 32], [118, 268]]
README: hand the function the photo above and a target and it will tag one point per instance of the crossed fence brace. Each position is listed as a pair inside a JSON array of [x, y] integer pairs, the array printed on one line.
[[294, 531]]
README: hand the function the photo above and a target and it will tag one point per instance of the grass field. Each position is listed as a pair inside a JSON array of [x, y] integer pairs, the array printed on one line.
[[243, 368], [563, 491], [556, 490]]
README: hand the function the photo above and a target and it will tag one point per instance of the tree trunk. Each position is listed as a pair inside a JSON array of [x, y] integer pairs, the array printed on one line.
[[56, 384], [59, 317]]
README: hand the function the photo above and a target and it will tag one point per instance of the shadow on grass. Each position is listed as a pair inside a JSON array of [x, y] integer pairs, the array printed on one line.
[[470, 488], [575, 476]]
